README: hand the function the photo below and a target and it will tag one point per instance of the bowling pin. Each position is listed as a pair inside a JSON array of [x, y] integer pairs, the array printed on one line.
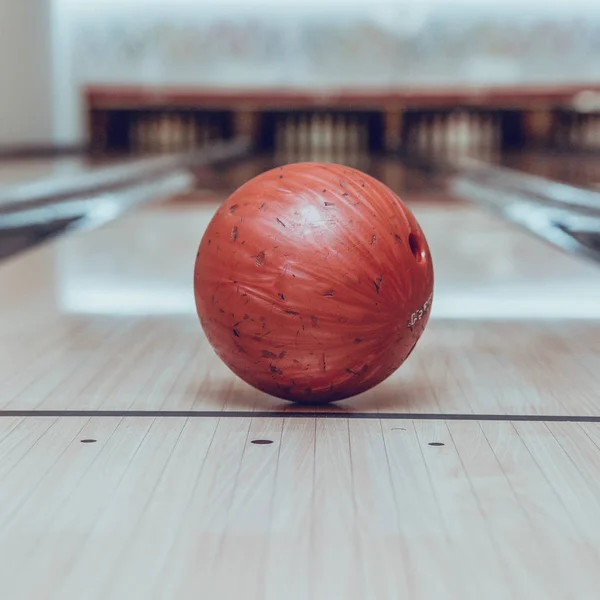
[[423, 135], [364, 139], [474, 134], [592, 132], [340, 139], [287, 135], [353, 142], [302, 138], [314, 136], [201, 131], [191, 133], [145, 134], [177, 134], [279, 141], [164, 133], [496, 131], [323, 138], [205, 131], [462, 135], [320, 137], [574, 133], [485, 136], [208, 135], [175, 137], [328, 138], [450, 136], [153, 133], [133, 131], [159, 133], [166, 143], [438, 138], [168, 131], [137, 135]]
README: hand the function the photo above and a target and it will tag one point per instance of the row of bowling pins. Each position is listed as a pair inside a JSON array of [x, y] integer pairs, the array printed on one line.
[[455, 135], [584, 133], [326, 138], [171, 133]]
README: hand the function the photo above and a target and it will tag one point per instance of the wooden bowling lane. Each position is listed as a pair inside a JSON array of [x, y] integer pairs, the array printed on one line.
[[134, 465], [331, 508], [105, 321]]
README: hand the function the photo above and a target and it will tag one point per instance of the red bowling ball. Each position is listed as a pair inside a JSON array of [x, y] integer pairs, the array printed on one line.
[[313, 282]]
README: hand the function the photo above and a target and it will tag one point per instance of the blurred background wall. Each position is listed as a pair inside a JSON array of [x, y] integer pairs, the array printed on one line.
[[324, 44], [333, 43], [64, 45], [26, 78]]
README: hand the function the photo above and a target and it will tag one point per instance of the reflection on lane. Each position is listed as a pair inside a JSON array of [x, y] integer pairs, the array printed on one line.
[[564, 215], [576, 168], [485, 268]]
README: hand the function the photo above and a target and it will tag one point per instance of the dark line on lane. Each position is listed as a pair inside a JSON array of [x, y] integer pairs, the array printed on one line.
[[191, 414]]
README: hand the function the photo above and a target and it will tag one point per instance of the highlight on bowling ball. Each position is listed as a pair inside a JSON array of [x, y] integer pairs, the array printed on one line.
[[313, 282]]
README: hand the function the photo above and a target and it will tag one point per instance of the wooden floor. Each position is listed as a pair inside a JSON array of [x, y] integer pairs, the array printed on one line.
[[130, 462]]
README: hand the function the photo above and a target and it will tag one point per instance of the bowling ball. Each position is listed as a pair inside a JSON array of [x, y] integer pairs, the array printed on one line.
[[313, 282]]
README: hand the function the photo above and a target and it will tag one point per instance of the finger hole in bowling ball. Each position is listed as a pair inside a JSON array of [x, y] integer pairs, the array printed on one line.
[[416, 247]]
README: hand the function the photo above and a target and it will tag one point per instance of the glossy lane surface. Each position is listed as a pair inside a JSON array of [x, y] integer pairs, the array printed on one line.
[[106, 319]]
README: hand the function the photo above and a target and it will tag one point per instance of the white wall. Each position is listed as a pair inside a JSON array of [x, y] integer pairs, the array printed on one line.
[[49, 49], [327, 44], [25, 73]]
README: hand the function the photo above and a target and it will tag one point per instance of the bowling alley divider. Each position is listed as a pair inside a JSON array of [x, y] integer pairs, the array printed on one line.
[[35, 212], [40, 151], [30, 226], [108, 178], [565, 216], [537, 189]]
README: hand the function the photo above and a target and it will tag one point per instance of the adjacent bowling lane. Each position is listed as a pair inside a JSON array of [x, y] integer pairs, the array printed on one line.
[[26, 172], [33, 183], [105, 318]]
